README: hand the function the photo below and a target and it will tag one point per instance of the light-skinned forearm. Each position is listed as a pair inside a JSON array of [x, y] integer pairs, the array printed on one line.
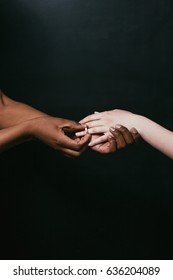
[[154, 134], [12, 112]]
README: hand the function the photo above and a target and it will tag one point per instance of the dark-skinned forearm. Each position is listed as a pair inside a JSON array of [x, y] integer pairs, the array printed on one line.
[[12, 136], [12, 112]]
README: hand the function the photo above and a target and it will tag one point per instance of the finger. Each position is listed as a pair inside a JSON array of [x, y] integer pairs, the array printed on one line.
[[90, 118], [70, 130], [118, 137], [97, 130], [112, 144], [73, 154], [135, 134], [84, 140], [107, 147], [94, 130], [98, 140], [81, 133], [74, 127], [125, 133], [94, 123], [73, 144]]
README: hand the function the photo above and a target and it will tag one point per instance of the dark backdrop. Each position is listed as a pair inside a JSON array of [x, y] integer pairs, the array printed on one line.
[[69, 58]]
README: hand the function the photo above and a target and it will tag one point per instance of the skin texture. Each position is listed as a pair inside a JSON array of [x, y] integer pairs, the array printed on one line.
[[117, 139], [154, 134], [20, 122], [107, 140]]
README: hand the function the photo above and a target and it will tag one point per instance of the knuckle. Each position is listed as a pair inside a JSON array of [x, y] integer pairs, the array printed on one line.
[[117, 133], [78, 148], [123, 129], [130, 141], [90, 130]]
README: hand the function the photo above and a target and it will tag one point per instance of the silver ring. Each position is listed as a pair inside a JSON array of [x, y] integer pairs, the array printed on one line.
[[86, 130]]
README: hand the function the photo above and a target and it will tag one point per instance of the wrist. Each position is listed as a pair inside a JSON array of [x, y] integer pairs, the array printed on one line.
[[26, 130], [139, 122], [33, 126]]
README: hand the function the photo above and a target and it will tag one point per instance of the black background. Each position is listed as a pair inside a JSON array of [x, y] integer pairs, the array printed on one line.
[[70, 58]]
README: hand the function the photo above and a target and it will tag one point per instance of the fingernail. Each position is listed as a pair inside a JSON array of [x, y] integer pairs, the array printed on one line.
[[134, 130], [116, 133], [112, 128], [118, 126]]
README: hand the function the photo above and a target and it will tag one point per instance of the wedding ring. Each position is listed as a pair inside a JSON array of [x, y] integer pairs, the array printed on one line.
[[86, 130]]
